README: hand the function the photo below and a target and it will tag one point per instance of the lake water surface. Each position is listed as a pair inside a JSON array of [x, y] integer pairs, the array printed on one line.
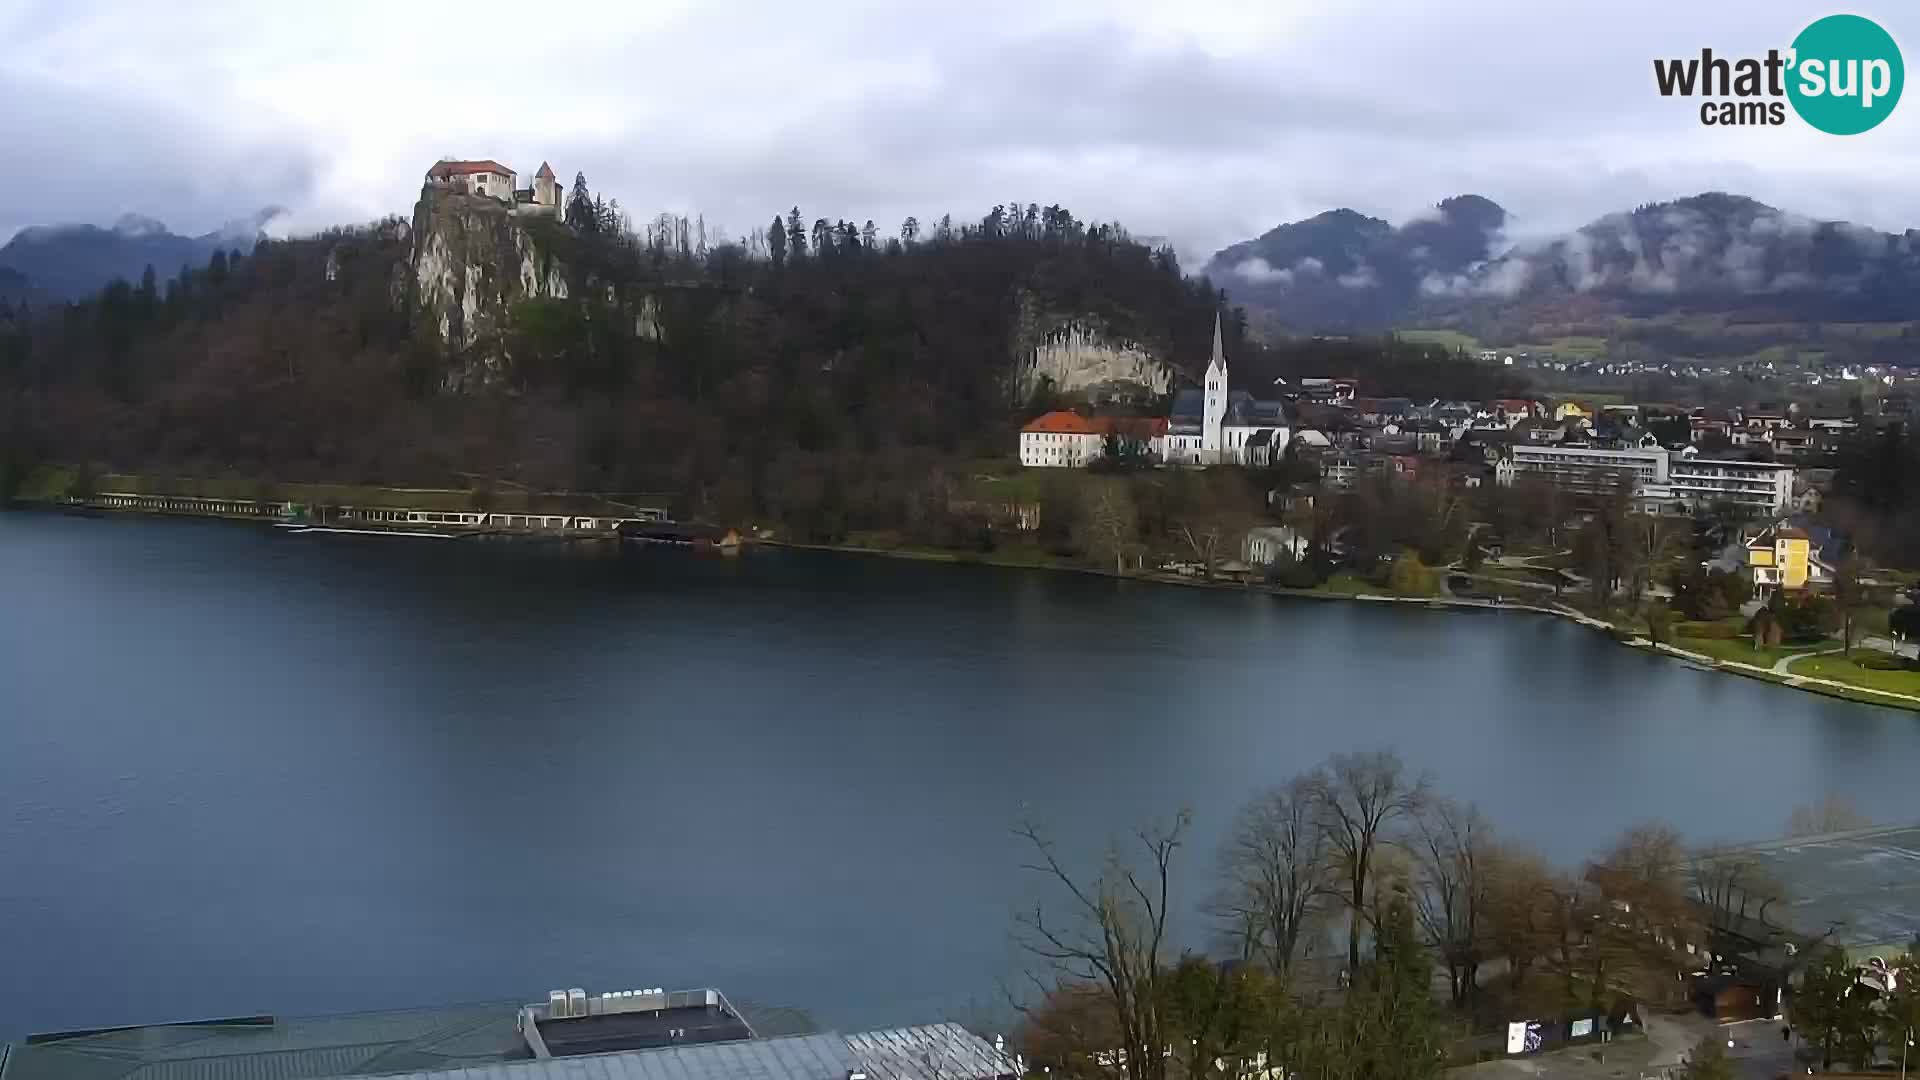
[[243, 771]]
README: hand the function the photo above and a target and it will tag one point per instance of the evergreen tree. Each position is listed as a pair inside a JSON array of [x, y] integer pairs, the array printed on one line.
[[148, 295], [1708, 1061], [822, 237], [580, 212], [869, 236], [1395, 1018], [1826, 1008], [796, 234], [777, 241]]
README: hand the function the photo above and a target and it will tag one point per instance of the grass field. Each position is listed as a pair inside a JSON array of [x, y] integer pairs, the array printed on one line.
[[1447, 339], [1848, 670], [1741, 650]]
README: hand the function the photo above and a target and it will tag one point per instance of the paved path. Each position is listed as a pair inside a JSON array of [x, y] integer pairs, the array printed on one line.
[[1780, 666], [1791, 679]]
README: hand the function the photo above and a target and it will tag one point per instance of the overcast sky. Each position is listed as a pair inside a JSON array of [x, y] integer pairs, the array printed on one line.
[[1206, 123]]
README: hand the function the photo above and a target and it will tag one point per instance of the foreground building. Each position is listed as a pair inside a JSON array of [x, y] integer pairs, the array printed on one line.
[[619, 1035]]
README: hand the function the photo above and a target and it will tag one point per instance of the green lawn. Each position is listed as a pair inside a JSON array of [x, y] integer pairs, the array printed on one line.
[[1741, 650], [1846, 670], [1348, 585]]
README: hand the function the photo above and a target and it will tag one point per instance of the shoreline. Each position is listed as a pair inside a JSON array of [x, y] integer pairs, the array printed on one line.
[[1858, 695]]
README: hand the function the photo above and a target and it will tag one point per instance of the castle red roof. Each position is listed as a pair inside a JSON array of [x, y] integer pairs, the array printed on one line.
[[467, 168]]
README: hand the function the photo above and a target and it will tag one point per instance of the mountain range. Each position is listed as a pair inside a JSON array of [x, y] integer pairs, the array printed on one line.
[[67, 262], [1726, 259]]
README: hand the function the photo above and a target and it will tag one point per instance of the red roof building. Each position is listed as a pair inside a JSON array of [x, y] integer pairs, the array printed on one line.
[[1062, 438]]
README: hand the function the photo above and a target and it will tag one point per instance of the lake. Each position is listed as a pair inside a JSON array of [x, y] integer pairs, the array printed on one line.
[[245, 771]]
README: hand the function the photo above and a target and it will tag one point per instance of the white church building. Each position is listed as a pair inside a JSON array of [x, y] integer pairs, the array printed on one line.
[[1215, 425]]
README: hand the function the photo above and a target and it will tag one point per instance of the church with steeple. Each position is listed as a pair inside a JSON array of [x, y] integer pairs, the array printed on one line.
[[1218, 425]]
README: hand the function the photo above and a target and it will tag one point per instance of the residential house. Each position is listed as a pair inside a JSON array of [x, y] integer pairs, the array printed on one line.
[[1430, 436], [1793, 442], [1782, 558], [1511, 411], [1269, 544]]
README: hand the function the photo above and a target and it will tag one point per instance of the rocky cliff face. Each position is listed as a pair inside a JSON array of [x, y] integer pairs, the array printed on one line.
[[472, 261], [1080, 353]]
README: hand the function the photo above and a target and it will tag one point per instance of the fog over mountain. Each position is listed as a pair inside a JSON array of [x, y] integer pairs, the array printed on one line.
[[1341, 271], [71, 261]]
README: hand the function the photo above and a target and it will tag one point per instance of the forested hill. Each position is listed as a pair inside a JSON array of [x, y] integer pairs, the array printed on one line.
[[836, 366]]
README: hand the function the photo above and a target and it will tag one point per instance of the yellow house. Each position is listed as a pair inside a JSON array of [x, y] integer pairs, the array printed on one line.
[[1572, 409], [1781, 558]]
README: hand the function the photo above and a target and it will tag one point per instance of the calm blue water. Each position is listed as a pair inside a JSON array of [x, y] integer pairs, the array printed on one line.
[[243, 771]]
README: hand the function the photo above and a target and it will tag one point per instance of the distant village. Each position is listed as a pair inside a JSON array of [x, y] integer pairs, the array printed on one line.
[[1669, 459]]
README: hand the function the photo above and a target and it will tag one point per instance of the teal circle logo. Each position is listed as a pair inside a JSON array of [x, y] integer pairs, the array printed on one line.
[[1846, 75]]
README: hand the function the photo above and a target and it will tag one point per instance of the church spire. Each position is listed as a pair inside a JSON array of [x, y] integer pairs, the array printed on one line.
[[1219, 354]]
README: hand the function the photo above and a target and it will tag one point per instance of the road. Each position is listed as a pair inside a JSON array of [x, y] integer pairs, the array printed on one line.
[[1758, 1053]]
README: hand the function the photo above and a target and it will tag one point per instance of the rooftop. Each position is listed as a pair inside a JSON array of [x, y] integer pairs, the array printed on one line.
[[1863, 885], [464, 1037], [468, 168]]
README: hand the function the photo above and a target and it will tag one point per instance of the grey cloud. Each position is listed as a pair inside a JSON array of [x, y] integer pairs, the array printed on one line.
[[1194, 123], [90, 158]]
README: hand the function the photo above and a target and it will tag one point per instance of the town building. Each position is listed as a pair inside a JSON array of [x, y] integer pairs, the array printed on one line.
[[1067, 440], [1699, 482], [1678, 480]]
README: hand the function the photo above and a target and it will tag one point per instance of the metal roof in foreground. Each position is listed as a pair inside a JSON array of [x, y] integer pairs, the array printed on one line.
[[1862, 886], [480, 1043]]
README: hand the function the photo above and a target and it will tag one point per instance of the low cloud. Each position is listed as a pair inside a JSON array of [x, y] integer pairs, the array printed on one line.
[[1360, 277], [1258, 272]]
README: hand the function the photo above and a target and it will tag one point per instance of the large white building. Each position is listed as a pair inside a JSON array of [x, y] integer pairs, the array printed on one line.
[[1066, 440], [1680, 479], [1216, 425]]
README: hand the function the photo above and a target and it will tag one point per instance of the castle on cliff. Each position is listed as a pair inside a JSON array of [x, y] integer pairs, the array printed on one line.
[[493, 180]]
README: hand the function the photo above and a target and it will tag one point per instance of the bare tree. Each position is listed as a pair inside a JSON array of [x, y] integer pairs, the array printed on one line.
[[1357, 797], [1850, 596], [1277, 874], [1453, 888], [1641, 914], [1113, 938], [1835, 813], [1111, 519], [1203, 540], [1520, 910], [1732, 887]]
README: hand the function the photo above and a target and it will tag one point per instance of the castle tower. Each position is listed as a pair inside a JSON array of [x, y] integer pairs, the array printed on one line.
[[1214, 413], [546, 187]]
